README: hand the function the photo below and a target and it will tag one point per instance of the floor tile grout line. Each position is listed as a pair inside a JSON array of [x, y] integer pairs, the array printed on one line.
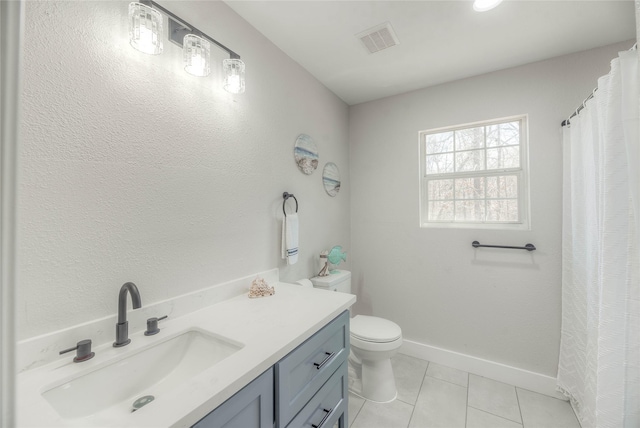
[[358, 412], [540, 393], [519, 408], [419, 391], [466, 408], [497, 416], [452, 383], [575, 414]]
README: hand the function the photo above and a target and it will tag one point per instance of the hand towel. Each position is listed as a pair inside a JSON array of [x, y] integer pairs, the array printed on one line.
[[290, 238]]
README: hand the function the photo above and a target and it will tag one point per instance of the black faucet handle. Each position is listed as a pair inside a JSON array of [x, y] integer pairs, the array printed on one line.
[[83, 349], [152, 326]]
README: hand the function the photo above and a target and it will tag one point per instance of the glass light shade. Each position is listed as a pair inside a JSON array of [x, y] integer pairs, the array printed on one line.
[[485, 5], [234, 76], [197, 55], [145, 28]]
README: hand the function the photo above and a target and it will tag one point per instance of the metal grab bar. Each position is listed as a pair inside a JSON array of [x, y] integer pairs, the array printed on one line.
[[528, 247]]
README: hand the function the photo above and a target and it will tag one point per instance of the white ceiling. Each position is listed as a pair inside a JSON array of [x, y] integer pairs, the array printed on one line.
[[440, 41]]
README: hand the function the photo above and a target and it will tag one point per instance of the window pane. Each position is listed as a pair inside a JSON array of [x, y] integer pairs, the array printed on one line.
[[439, 143], [493, 135], [510, 133], [441, 211], [502, 186], [473, 160], [440, 189], [503, 157], [502, 210], [470, 210], [439, 164], [470, 188], [472, 138], [504, 134]]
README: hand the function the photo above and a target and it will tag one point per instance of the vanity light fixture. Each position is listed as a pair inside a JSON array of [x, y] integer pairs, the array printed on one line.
[[485, 5], [145, 28], [197, 55], [145, 35], [234, 75]]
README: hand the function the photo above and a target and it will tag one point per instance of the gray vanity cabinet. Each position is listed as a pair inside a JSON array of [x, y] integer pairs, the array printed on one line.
[[305, 389], [302, 373], [328, 406], [251, 407]]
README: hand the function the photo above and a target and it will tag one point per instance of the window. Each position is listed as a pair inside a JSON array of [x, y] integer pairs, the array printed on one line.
[[475, 175]]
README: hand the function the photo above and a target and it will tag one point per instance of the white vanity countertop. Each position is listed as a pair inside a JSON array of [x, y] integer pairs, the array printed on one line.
[[268, 327]]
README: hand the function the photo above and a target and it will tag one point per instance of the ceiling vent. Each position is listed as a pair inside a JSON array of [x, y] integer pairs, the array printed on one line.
[[378, 38]]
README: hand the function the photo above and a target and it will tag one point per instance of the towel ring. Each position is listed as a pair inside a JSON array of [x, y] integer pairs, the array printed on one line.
[[287, 195]]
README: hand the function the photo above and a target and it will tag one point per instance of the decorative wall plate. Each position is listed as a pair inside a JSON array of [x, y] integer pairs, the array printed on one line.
[[306, 154], [331, 178]]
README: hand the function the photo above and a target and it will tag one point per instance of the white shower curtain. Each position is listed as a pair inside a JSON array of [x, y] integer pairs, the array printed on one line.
[[600, 342]]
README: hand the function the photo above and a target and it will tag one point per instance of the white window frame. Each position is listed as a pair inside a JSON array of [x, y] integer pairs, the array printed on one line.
[[523, 223]]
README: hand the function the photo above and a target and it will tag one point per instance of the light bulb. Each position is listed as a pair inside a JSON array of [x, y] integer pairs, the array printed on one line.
[[197, 55], [233, 84], [145, 28], [234, 76]]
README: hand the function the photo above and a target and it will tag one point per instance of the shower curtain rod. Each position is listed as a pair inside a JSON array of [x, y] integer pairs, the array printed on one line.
[[582, 106]]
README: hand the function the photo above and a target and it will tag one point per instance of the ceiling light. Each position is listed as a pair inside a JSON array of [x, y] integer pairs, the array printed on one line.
[[145, 28], [197, 55], [485, 5], [234, 75]]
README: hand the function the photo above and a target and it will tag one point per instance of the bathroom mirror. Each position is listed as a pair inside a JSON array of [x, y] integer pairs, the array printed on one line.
[[331, 178], [306, 154]]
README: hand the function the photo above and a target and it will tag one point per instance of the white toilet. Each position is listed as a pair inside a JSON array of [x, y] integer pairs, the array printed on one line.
[[373, 342]]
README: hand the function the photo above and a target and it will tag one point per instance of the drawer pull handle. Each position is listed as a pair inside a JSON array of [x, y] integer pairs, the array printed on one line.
[[329, 356], [328, 412]]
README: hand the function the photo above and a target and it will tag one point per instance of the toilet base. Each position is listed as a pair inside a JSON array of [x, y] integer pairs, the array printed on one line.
[[372, 380]]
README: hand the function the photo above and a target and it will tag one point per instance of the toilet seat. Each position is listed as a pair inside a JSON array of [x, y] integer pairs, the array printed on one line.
[[375, 346], [365, 328]]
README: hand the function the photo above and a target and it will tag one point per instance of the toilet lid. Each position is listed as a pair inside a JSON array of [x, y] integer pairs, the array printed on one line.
[[374, 329]]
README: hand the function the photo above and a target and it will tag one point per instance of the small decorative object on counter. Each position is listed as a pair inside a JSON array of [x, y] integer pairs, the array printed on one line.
[[260, 288], [333, 256]]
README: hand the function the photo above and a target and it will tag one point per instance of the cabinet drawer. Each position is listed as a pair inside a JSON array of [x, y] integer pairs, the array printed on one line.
[[326, 407], [301, 373]]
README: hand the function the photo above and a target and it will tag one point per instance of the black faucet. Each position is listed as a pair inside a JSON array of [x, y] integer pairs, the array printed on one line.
[[122, 328]]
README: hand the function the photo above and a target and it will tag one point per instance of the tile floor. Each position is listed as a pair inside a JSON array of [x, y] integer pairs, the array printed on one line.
[[432, 395]]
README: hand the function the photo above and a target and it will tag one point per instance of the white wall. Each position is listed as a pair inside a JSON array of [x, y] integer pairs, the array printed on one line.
[[133, 170], [499, 305], [637, 20]]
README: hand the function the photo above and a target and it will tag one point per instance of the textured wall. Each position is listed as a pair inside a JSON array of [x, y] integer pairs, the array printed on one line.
[[133, 170], [499, 305]]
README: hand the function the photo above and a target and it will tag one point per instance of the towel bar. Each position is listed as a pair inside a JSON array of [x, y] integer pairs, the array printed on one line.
[[285, 196], [528, 247]]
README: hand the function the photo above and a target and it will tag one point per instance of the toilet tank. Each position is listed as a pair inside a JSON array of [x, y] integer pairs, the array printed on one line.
[[338, 281]]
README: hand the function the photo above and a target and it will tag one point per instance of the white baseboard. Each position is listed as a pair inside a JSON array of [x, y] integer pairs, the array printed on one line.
[[525, 379]]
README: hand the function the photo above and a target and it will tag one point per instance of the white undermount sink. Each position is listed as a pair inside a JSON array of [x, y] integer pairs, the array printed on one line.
[[150, 371]]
